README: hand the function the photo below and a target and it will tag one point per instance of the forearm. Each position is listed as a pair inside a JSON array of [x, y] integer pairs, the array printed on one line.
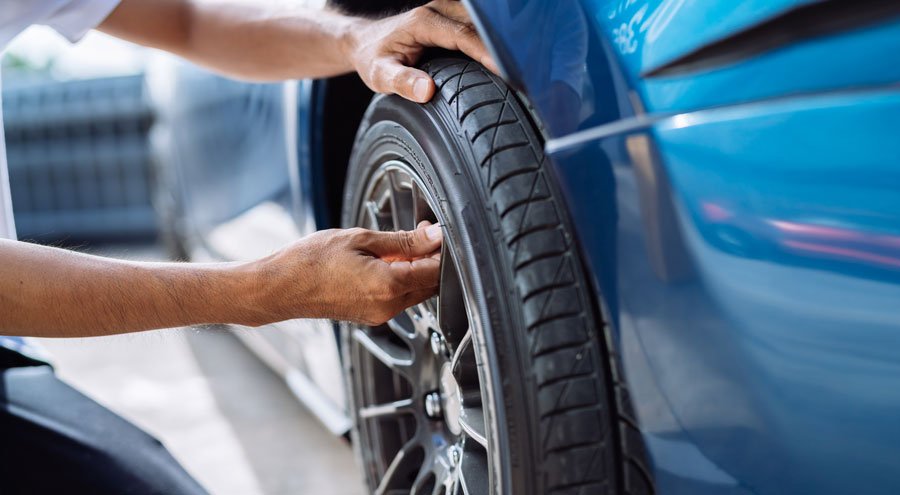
[[259, 41], [272, 41], [338, 274], [48, 292]]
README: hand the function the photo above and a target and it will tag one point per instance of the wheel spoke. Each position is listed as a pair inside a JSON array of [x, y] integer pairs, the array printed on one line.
[[464, 365], [472, 423], [473, 473], [405, 331], [392, 355], [417, 320], [372, 213], [425, 312], [394, 467], [377, 219], [389, 409], [402, 208], [419, 483], [460, 349], [451, 311], [421, 210]]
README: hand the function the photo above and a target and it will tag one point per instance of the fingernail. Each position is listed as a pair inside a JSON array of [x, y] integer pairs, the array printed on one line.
[[433, 232], [420, 89]]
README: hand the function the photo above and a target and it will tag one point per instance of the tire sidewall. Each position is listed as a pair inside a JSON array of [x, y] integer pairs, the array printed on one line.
[[420, 135]]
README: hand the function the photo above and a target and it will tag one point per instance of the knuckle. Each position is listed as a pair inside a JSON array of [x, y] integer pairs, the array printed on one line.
[[464, 30], [419, 14], [357, 235], [371, 74], [399, 80], [413, 16], [375, 77], [406, 241]]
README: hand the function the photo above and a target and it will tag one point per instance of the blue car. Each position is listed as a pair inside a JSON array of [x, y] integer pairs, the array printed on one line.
[[672, 246]]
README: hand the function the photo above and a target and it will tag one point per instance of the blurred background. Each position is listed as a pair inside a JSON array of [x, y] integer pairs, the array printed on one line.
[[78, 124]]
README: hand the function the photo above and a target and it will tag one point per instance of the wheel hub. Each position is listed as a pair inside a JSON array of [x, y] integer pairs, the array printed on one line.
[[452, 399]]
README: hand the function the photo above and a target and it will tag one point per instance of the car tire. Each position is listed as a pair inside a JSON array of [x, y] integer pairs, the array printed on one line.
[[555, 412]]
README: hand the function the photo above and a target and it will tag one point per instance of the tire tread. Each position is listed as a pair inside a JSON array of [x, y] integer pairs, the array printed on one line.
[[569, 370]]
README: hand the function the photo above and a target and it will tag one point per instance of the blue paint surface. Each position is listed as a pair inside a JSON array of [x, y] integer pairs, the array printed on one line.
[[743, 234], [581, 61]]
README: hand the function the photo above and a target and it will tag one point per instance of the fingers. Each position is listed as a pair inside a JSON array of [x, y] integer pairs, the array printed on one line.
[[405, 245], [400, 304], [437, 252], [407, 283], [414, 275], [395, 77], [453, 9], [383, 51], [418, 296], [450, 27]]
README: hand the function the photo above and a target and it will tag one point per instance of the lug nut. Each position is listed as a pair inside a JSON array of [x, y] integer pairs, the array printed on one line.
[[437, 344], [433, 405], [455, 455]]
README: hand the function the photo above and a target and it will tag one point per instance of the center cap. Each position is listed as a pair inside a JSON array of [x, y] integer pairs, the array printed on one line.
[[452, 399]]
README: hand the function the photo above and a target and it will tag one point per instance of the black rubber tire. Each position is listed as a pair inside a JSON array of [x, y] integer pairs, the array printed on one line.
[[476, 148]]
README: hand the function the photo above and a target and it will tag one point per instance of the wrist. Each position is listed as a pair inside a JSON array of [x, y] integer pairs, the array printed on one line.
[[246, 299], [348, 36], [275, 288]]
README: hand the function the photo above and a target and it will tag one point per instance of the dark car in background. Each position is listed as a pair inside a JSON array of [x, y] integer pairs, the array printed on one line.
[[672, 246]]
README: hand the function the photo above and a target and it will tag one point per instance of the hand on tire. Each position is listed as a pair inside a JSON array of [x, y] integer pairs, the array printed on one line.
[[354, 274], [382, 51]]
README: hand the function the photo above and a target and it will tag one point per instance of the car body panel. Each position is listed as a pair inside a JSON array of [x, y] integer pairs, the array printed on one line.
[[581, 62], [767, 342], [233, 166], [243, 159]]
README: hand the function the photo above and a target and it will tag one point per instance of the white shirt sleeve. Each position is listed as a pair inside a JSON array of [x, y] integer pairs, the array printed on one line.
[[71, 18], [7, 224]]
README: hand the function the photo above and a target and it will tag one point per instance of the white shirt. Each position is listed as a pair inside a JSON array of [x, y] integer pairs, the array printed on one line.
[[71, 18]]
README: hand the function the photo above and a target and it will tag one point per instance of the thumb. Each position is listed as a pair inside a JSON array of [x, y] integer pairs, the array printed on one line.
[[406, 244], [408, 82]]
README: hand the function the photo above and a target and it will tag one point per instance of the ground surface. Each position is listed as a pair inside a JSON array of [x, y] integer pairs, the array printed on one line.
[[231, 421]]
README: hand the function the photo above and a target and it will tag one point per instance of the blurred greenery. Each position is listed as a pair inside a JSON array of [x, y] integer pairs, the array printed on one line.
[[14, 63]]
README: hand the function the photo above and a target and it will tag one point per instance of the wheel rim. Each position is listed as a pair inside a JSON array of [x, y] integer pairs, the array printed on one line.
[[418, 392]]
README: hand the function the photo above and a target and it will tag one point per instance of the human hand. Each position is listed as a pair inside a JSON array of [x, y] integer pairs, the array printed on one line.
[[354, 274], [382, 51]]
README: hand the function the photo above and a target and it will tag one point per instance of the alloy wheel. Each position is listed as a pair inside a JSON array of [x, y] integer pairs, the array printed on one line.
[[418, 393]]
